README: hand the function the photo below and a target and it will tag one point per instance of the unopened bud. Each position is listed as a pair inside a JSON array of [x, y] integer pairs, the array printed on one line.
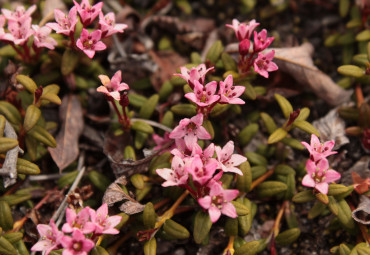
[[124, 101], [38, 93], [244, 47], [293, 116]]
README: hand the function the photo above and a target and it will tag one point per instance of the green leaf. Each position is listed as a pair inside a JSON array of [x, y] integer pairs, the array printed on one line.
[[247, 133], [229, 62], [146, 111], [42, 135], [7, 144], [249, 248], [10, 112], [271, 188], [149, 216], [256, 158], [215, 51], [285, 106], [303, 196], [269, 122], [202, 226], [363, 35], [150, 247], [344, 7], [288, 237], [187, 110], [250, 92], [33, 114], [351, 70], [27, 82], [142, 127], [69, 61], [306, 126], [345, 214], [277, 136], [175, 230], [244, 182], [336, 189]]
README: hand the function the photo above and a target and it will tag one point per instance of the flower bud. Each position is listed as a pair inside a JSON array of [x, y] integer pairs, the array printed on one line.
[[244, 47]]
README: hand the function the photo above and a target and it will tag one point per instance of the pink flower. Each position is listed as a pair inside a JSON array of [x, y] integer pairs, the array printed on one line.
[[261, 41], [218, 201], [203, 96], [229, 93], [244, 47], [263, 64], [41, 37], [243, 30], [108, 26], [227, 160], [87, 12], [66, 24], [201, 173], [206, 155], [20, 14], [194, 74], [89, 43], [318, 150], [50, 238], [162, 141], [78, 244], [78, 221], [175, 176], [191, 130], [19, 31], [103, 223], [112, 87], [319, 176]]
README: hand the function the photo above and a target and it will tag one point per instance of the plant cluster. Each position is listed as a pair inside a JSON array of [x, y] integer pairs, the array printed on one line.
[[211, 158]]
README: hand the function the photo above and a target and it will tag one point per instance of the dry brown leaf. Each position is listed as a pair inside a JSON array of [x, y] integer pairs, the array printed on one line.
[[132, 207], [332, 127], [70, 114], [168, 62], [114, 193], [298, 63], [362, 212]]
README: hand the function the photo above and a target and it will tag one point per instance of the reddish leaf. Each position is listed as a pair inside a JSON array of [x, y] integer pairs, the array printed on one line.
[[70, 114], [361, 185]]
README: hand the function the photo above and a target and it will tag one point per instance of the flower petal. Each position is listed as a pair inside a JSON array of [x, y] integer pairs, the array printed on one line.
[[308, 181]]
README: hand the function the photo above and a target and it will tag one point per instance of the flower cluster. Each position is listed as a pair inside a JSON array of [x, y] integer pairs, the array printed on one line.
[[84, 226], [318, 173], [263, 62], [206, 96], [89, 43], [205, 169], [20, 31]]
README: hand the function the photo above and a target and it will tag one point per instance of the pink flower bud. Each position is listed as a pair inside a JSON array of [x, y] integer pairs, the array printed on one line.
[[244, 47]]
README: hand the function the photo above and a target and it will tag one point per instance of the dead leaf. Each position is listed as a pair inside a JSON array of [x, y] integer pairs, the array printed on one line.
[[114, 193], [361, 185], [332, 127], [361, 167], [362, 213], [131, 207], [70, 113], [298, 63], [168, 62]]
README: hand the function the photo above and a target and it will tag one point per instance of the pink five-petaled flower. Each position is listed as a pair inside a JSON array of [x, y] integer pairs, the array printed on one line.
[[19, 31], [319, 176], [191, 130], [194, 74], [87, 12], [229, 93], [263, 64], [176, 176], [243, 30], [103, 223], [20, 14], [78, 244], [201, 173], [41, 37], [65, 24], [318, 150], [112, 87], [162, 141], [80, 220], [203, 96], [261, 41], [227, 160], [108, 26], [50, 238], [218, 201], [89, 43]]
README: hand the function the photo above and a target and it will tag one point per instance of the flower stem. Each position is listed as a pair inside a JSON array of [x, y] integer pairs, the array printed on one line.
[[359, 95], [170, 212], [230, 246], [276, 228], [262, 178]]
